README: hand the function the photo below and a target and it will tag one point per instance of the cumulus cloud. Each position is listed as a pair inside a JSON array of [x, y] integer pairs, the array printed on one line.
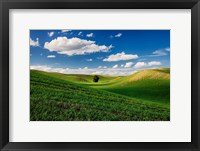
[[41, 68], [115, 66], [140, 64], [120, 56], [148, 64], [102, 67], [95, 71], [65, 30], [159, 53], [88, 59], [90, 35], [75, 46], [99, 58], [154, 63], [142, 59], [118, 35], [50, 34], [80, 33], [128, 64], [51, 56], [167, 49], [34, 43], [111, 36]]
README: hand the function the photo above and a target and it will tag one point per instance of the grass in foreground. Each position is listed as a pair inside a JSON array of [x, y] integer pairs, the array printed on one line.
[[149, 85], [56, 99]]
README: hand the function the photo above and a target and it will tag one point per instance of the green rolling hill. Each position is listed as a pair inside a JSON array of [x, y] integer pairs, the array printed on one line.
[[151, 85], [143, 96]]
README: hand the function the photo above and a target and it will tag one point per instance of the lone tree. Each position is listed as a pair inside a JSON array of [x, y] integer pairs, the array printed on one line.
[[96, 78]]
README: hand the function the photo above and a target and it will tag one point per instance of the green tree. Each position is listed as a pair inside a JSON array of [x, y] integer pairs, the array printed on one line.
[[96, 78]]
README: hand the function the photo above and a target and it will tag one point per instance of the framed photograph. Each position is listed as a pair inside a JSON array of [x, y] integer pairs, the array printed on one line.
[[83, 75], [99, 75]]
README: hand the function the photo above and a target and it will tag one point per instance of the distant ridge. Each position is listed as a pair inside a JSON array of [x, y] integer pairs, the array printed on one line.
[[160, 73]]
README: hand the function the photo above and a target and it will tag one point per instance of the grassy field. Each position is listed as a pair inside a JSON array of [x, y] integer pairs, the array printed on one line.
[[143, 96]]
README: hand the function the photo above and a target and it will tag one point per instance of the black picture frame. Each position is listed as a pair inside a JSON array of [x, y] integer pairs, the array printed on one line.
[[5, 5]]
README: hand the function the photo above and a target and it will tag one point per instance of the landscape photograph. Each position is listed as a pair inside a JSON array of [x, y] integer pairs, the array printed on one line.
[[99, 75]]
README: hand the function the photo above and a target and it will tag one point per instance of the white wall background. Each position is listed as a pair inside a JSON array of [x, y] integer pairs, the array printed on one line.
[[178, 129]]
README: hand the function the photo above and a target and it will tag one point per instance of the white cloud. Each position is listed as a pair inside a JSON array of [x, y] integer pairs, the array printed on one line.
[[102, 67], [148, 64], [99, 58], [75, 46], [154, 63], [51, 56], [88, 59], [90, 35], [128, 64], [140, 64], [142, 59], [115, 66], [99, 71], [159, 53], [65, 30], [167, 49], [50, 34], [34, 43], [120, 56], [118, 35], [42, 68], [80, 33]]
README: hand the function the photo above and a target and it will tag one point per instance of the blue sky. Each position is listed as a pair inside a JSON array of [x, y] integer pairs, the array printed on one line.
[[107, 52]]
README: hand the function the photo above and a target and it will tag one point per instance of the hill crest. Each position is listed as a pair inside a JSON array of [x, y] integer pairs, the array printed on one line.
[[159, 73]]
